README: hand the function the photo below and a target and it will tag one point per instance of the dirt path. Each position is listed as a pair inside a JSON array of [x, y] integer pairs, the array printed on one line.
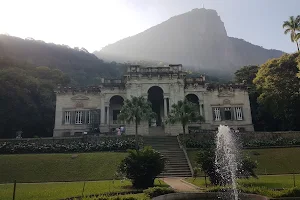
[[178, 185]]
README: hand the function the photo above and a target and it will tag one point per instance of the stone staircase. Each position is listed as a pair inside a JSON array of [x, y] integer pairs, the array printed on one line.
[[176, 163]]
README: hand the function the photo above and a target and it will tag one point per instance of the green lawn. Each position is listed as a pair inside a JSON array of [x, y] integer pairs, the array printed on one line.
[[59, 167], [273, 181], [270, 161], [54, 191]]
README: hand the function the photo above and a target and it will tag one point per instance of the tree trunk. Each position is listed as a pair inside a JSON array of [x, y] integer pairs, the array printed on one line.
[[297, 46], [136, 136]]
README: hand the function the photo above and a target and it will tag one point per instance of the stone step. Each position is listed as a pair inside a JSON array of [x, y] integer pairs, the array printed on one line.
[[181, 160], [175, 175], [180, 164], [176, 163], [174, 169], [178, 154], [178, 171]]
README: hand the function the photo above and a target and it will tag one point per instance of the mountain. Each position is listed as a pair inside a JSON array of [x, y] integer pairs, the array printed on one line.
[[197, 39], [82, 67]]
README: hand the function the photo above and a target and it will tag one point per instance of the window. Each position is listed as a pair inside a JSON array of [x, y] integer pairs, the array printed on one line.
[[89, 117], [78, 117], [217, 114], [227, 113], [67, 117], [238, 113], [115, 114]]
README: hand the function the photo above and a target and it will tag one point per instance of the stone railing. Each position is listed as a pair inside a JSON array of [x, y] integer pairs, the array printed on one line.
[[69, 89]]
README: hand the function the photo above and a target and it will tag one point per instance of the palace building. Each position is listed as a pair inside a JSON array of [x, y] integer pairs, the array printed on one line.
[[80, 110]]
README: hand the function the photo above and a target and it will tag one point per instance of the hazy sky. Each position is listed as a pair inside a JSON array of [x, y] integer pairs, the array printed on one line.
[[95, 23]]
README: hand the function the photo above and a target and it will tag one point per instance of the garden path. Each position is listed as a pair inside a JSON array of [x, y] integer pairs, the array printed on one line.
[[179, 184]]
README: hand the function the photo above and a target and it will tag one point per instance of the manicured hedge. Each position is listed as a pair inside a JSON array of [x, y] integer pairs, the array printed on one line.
[[275, 142], [157, 191], [106, 144], [194, 142], [290, 192]]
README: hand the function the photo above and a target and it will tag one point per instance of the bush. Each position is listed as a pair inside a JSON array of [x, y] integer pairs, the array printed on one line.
[[106, 144], [142, 167], [157, 191], [206, 161]]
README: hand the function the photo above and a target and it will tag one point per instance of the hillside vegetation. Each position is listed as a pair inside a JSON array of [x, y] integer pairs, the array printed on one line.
[[82, 67]]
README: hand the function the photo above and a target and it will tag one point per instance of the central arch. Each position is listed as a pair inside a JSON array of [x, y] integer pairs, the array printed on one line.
[[156, 97]]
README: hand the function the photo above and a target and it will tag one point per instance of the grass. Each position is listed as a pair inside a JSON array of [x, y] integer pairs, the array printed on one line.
[[59, 167], [54, 191], [270, 161], [271, 181]]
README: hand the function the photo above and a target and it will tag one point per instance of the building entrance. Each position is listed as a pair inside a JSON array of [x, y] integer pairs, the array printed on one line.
[[156, 97]]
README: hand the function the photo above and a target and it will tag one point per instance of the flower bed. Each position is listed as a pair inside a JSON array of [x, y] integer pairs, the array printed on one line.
[[105, 144]]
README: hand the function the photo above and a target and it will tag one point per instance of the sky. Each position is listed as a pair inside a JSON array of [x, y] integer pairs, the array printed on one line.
[[93, 24]]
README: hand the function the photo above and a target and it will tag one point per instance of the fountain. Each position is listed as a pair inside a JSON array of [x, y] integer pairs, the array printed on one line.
[[226, 158], [226, 163]]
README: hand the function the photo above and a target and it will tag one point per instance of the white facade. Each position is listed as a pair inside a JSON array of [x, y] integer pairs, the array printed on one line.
[[79, 110]]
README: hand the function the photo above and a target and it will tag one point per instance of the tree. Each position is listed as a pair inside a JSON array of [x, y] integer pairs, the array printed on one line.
[[135, 110], [142, 167], [292, 26], [28, 95], [206, 161], [279, 86], [184, 112], [246, 74]]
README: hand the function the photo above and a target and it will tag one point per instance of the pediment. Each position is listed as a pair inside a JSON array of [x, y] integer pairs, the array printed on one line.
[[80, 97]]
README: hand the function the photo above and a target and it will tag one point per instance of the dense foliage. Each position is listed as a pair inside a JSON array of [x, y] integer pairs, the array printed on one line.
[[274, 93], [27, 98], [81, 66], [108, 144], [142, 167], [278, 88], [206, 161]]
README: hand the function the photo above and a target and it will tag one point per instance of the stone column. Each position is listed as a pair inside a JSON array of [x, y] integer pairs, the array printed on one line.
[[102, 119], [165, 108], [201, 111], [107, 115]]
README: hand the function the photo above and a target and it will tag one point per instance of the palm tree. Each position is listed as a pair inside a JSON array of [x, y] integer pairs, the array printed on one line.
[[184, 112], [292, 26], [135, 110]]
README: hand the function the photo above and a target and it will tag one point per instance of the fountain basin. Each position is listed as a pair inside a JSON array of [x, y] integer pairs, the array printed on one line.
[[208, 196]]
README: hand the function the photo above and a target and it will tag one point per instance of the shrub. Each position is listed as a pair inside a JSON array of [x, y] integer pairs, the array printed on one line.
[[142, 167], [157, 191], [206, 160]]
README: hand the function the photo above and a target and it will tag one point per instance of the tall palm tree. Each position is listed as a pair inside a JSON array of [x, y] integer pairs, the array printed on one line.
[[184, 112], [292, 26], [135, 110]]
